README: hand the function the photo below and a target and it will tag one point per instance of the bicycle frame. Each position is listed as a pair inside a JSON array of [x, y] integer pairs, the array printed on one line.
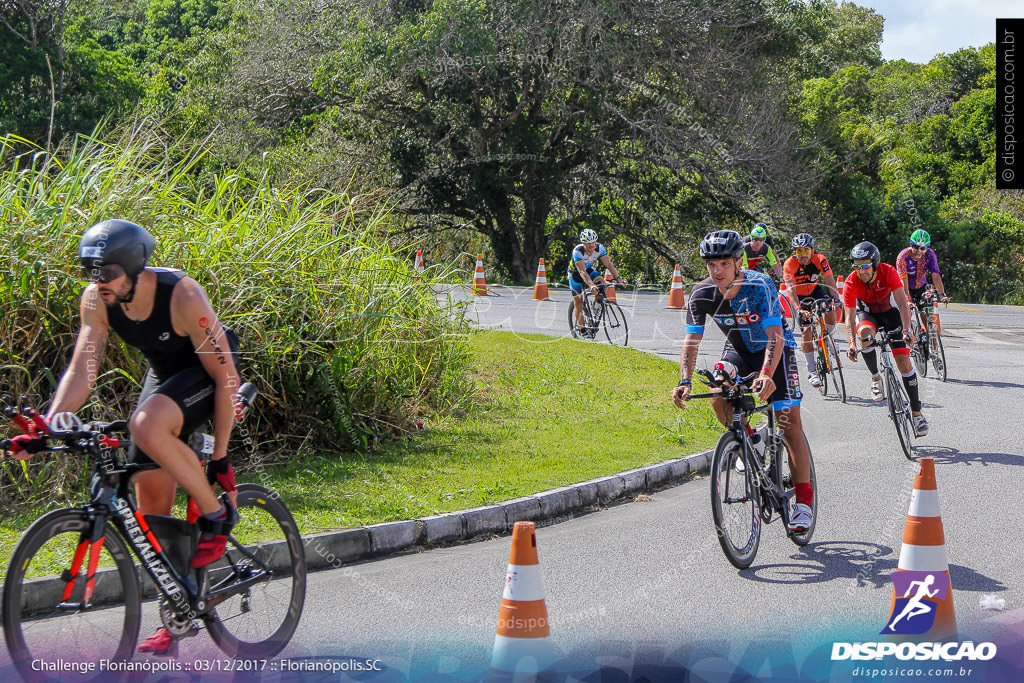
[[111, 501]]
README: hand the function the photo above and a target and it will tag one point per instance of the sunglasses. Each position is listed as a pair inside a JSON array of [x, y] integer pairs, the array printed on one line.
[[105, 274], [917, 248], [861, 266], [803, 251]]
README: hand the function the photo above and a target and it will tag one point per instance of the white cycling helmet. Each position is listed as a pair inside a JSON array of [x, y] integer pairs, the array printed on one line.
[[588, 236]]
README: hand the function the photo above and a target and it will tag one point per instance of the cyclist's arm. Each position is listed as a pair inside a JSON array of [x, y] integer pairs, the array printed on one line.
[[937, 282], [191, 312], [80, 376], [688, 356], [608, 264], [906, 284], [773, 350], [903, 303]]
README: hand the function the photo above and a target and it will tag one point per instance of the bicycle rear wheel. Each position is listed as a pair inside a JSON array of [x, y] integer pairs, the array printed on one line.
[[588, 318], [938, 352], [37, 628], [899, 411], [781, 461], [735, 502], [836, 369], [615, 327], [259, 623]]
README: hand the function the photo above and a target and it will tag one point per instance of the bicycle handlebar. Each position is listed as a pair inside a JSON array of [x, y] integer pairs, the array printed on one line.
[[80, 432]]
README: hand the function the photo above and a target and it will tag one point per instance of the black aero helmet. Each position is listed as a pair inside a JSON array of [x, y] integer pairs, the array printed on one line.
[[802, 240], [127, 244], [721, 244], [866, 250]]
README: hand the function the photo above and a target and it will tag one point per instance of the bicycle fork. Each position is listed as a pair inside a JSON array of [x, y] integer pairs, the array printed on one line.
[[91, 543]]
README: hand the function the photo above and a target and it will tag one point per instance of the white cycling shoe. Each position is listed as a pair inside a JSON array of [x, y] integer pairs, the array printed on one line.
[[920, 425], [876, 390], [814, 379], [801, 519]]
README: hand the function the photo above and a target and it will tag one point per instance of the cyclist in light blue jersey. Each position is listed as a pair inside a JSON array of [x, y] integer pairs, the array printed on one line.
[[582, 272]]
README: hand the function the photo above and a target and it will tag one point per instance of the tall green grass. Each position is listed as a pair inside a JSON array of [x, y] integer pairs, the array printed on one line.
[[344, 342]]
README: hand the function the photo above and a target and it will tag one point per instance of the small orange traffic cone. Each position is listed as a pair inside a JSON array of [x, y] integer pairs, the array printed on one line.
[[610, 291], [675, 296], [540, 287], [522, 645], [926, 612], [842, 311], [479, 282], [787, 310], [420, 267]]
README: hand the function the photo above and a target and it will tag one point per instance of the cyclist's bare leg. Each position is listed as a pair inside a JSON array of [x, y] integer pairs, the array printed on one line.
[[805, 338], [154, 491], [577, 302], [799, 450], [154, 428], [904, 365]]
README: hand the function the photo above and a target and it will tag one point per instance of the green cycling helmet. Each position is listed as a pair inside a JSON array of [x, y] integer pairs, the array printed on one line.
[[759, 232], [920, 238]]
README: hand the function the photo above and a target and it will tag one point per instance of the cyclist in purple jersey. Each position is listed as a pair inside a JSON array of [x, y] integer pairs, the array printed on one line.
[[745, 306], [913, 266]]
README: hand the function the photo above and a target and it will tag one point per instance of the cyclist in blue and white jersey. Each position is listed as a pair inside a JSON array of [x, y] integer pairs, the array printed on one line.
[[745, 306], [582, 272]]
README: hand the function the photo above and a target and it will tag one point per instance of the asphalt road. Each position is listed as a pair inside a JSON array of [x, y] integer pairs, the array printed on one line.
[[640, 581], [634, 581]]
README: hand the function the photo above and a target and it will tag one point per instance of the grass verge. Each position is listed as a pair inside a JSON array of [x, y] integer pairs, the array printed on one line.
[[546, 412]]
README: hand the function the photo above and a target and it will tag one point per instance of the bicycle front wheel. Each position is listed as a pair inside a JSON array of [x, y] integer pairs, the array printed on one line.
[[782, 459], [836, 369], [938, 352], [616, 330], [821, 366], [42, 614], [899, 411], [259, 623], [735, 502], [919, 352]]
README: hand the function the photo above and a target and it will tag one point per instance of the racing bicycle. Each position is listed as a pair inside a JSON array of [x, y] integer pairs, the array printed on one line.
[[72, 590], [895, 392], [751, 484], [599, 312], [826, 357], [929, 339]]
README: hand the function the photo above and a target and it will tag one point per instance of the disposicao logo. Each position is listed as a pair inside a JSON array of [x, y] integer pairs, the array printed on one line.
[[913, 613]]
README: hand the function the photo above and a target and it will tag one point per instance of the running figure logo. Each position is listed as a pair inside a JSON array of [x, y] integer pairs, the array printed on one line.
[[914, 612]]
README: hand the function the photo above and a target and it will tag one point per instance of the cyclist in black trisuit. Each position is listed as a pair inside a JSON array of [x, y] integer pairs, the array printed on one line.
[[192, 377]]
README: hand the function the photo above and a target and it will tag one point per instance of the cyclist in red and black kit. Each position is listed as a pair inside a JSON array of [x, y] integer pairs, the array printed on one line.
[[808, 276], [192, 377], [876, 300]]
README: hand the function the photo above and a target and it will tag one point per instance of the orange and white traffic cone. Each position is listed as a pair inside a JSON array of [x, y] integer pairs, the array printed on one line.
[[479, 282], [787, 310], [842, 311], [420, 267], [540, 287], [676, 297], [922, 601], [522, 645], [610, 291]]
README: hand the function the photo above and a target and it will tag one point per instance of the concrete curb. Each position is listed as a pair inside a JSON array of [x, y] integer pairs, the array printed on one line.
[[550, 507], [336, 548]]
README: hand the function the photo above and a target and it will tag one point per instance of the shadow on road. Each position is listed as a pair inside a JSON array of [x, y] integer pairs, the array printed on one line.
[[862, 564], [947, 455], [980, 383]]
